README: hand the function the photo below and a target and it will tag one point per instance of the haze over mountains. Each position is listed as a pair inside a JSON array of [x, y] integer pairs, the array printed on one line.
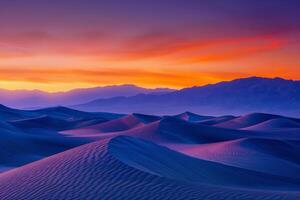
[[236, 97], [37, 99], [239, 96]]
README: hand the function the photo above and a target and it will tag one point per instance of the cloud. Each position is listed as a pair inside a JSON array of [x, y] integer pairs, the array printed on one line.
[[160, 47], [237, 52], [178, 50]]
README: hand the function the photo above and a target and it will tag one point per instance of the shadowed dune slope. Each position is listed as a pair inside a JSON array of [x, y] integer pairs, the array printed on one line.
[[18, 148], [32, 138], [173, 128], [192, 117], [146, 119], [277, 157], [45, 122], [166, 130], [93, 172], [6, 126], [65, 113], [7, 114], [122, 124], [217, 120], [247, 120], [273, 124], [42, 122], [164, 162]]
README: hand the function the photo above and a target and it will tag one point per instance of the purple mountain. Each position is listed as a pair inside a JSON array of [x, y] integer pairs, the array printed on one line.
[[36, 99], [239, 96]]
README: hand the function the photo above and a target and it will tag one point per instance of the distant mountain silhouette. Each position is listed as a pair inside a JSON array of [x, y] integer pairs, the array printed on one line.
[[239, 96], [37, 99]]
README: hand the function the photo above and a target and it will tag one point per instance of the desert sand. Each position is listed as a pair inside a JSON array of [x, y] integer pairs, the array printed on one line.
[[60, 153]]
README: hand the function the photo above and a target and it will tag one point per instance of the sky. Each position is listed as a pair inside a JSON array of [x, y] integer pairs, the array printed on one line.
[[59, 45]]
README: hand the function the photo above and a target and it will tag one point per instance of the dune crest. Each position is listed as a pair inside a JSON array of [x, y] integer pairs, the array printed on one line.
[[92, 172]]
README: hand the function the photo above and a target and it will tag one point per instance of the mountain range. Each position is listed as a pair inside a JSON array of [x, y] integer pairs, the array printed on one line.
[[236, 97], [39, 99]]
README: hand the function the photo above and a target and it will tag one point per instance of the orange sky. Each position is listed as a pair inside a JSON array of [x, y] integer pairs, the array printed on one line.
[[174, 64], [63, 55]]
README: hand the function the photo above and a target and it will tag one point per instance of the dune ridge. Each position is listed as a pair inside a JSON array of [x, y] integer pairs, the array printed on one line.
[[91, 172]]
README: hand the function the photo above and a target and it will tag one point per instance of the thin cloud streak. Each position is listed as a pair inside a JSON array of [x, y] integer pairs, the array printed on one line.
[[100, 77]]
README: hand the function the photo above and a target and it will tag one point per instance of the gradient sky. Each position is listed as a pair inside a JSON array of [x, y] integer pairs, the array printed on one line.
[[57, 45]]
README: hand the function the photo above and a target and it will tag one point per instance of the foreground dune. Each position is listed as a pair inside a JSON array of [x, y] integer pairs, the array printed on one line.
[[95, 171]]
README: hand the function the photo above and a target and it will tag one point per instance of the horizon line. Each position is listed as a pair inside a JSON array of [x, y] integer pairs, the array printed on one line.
[[140, 86]]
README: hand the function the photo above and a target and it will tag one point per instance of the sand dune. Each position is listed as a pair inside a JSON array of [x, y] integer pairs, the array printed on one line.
[[253, 154], [164, 162], [217, 120], [247, 120], [60, 153], [6, 126], [94, 171], [116, 125], [195, 133], [7, 114], [192, 117], [28, 138], [42, 122], [64, 113], [146, 119], [273, 124], [18, 148], [167, 130]]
